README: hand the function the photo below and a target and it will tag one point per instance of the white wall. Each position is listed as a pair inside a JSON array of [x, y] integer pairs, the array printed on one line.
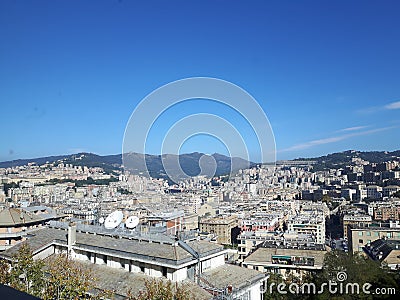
[[100, 259], [179, 275], [252, 292], [44, 253], [81, 255], [135, 268], [154, 271], [217, 261], [114, 262]]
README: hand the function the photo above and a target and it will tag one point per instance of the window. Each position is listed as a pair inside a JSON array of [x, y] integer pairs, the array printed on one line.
[[360, 233], [368, 233], [376, 233], [164, 271], [360, 241], [389, 234]]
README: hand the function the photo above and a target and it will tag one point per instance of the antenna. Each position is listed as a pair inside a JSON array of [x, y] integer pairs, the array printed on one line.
[[132, 222], [113, 219]]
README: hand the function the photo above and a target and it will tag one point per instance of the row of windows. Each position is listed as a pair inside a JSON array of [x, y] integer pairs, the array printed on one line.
[[376, 233]]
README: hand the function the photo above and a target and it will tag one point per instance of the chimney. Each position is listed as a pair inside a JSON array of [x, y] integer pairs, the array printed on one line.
[[71, 237]]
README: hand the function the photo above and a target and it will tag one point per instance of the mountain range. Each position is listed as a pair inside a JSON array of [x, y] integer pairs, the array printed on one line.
[[190, 162], [156, 164]]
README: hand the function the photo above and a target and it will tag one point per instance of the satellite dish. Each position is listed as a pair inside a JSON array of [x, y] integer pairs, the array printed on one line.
[[101, 220], [132, 222], [113, 219]]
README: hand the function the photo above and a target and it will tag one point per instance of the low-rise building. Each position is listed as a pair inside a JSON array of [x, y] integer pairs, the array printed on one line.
[[192, 261], [16, 223], [385, 251], [286, 261]]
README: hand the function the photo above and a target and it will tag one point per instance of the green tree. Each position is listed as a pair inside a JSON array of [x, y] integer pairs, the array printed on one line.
[[4, 271], [61, 278], [274, 280], [67, 279], [26, 274], [359, 269]]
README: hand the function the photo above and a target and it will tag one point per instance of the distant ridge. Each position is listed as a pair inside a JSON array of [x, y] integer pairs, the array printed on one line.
[[190, 161], [342, 159], [110, 163]]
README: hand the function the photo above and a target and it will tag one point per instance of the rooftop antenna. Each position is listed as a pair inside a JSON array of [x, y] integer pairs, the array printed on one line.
[[132, 222], [113, 219]]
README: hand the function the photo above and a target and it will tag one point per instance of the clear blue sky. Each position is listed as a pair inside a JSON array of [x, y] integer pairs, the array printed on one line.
[[326, 73]]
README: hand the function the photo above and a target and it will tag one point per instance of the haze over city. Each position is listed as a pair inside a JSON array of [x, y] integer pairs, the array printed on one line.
[[325, 73]]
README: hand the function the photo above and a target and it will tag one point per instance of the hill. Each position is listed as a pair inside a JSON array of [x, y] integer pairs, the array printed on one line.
[[154, 163], [342, 159]]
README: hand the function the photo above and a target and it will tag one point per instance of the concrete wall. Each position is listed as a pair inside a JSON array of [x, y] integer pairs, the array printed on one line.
[[179, 275], [252, 292], [45, 253], [135, 267], [81, 255], [217, 261], [114, 262], [153, 270], [100, 259], [129, 265]]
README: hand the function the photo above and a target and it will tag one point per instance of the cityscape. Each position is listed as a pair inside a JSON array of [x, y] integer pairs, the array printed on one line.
[[205, 150], [223, 236]]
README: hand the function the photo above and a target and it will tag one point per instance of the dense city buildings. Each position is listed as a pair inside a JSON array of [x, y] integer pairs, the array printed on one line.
[[221, 235]]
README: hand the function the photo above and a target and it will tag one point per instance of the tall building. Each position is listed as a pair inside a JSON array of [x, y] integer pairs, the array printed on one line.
[[361, 236], [356, 219], [221, 226], [312, 224]]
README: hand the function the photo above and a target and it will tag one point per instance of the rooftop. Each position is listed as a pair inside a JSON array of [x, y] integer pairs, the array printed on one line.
[[226, 275], [264, 255], [16, 217], [119, 280], [171, 254]]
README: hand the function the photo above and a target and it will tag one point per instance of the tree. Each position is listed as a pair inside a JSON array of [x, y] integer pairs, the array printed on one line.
[[274, 280], [66, 279], [162, 290], [358, 269], [4, 272], [26, 274], [61, 278]]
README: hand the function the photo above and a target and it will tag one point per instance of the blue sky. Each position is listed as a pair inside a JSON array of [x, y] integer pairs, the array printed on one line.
[[326, 73]]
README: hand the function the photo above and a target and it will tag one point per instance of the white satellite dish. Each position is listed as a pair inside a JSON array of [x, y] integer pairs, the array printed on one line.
[[132, 222], [101, 220], [113, 219]]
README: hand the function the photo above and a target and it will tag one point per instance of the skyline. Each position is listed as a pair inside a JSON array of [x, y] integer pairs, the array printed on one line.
[[71, 74]]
